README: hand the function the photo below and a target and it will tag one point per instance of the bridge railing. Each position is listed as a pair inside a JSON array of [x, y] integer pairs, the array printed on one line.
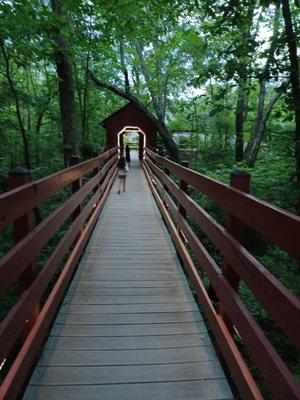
[[27, 319], [233, 318]]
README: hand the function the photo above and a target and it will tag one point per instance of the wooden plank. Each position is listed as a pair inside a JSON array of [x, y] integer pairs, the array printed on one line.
[[120, 319], [187, 390], [129, 284], [126, 374], [152, 253], [132, 276], [66, 358], [128, 308], [127, 342], [175, 328], [114, 264], [116, 292], [136, 268], [82, 299]]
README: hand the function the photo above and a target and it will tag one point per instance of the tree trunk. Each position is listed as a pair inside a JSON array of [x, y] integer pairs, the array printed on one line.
[[242, 98], [257, 127], [160, 125], [239, 123], [78, 89], [263, 112], [136, 79], [157, 104], [294, 74], [85, 116], [260, 126], [17, 105], [66, 88], [123, 65]]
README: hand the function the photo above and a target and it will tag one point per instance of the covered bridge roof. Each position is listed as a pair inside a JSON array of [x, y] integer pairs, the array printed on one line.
[[129, 114]]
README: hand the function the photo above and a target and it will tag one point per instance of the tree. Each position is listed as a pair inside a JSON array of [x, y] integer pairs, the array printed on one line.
[[264, 110], [29, 90], [15, 93], [65, 76], [294, 76], [161, 128]]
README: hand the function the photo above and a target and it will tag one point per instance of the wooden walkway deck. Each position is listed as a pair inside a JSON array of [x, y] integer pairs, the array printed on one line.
[[129, 327]]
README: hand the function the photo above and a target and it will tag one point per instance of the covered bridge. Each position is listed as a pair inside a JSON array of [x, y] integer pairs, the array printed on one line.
[[130, 118]]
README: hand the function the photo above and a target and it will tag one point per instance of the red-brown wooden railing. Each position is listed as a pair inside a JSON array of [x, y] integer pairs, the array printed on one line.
[[278, 226], [25, 319]]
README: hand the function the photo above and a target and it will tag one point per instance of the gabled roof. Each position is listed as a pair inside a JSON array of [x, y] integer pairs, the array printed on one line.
[[103, 122]]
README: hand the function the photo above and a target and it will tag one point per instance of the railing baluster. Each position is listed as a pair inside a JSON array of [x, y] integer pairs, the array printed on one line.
[[239, 180], [95, 172], [276, 225], [184, 187], [167, 172], [76, 184], [21, 227]]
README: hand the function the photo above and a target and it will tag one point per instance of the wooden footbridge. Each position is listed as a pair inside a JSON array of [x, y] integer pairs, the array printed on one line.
[[113, 313]]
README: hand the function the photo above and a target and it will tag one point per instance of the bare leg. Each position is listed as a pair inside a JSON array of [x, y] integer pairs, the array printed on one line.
[[119, 185], [124, 182]]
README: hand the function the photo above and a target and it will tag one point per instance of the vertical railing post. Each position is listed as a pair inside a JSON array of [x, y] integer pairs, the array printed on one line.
[[95, 172], [21, 227], [167, 172], [239, 180], [184, 187], [107, 159], [76, 184]]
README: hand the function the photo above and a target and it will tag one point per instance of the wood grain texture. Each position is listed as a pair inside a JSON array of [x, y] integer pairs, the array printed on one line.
[[129, 327], [187, 390]]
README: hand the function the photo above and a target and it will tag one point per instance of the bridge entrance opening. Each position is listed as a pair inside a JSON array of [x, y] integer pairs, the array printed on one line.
[[135, 138]]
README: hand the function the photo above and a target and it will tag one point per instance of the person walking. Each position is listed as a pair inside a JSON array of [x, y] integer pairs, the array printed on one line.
[[127, 154], [122, 173]]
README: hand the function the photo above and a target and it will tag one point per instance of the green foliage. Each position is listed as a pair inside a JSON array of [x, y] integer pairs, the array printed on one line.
[[194, 57]]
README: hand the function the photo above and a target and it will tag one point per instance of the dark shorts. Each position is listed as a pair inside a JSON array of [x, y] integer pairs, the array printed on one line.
[[121, 176]]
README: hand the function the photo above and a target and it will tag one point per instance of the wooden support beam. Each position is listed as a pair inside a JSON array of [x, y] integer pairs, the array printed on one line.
[[184, 187], [76, 184], [239, 180], [21, 227]]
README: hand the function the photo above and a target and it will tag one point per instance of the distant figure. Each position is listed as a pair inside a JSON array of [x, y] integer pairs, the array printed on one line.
[[140, 153], [127, 153], [122, 173]]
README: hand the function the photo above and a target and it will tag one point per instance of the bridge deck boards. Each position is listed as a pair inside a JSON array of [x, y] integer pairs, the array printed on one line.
[[129, 327]]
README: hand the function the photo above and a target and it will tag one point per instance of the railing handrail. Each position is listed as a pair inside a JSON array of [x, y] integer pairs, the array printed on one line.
[[271, 294], [21, 258], [16, 202], [22, 254], [279, 226]]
